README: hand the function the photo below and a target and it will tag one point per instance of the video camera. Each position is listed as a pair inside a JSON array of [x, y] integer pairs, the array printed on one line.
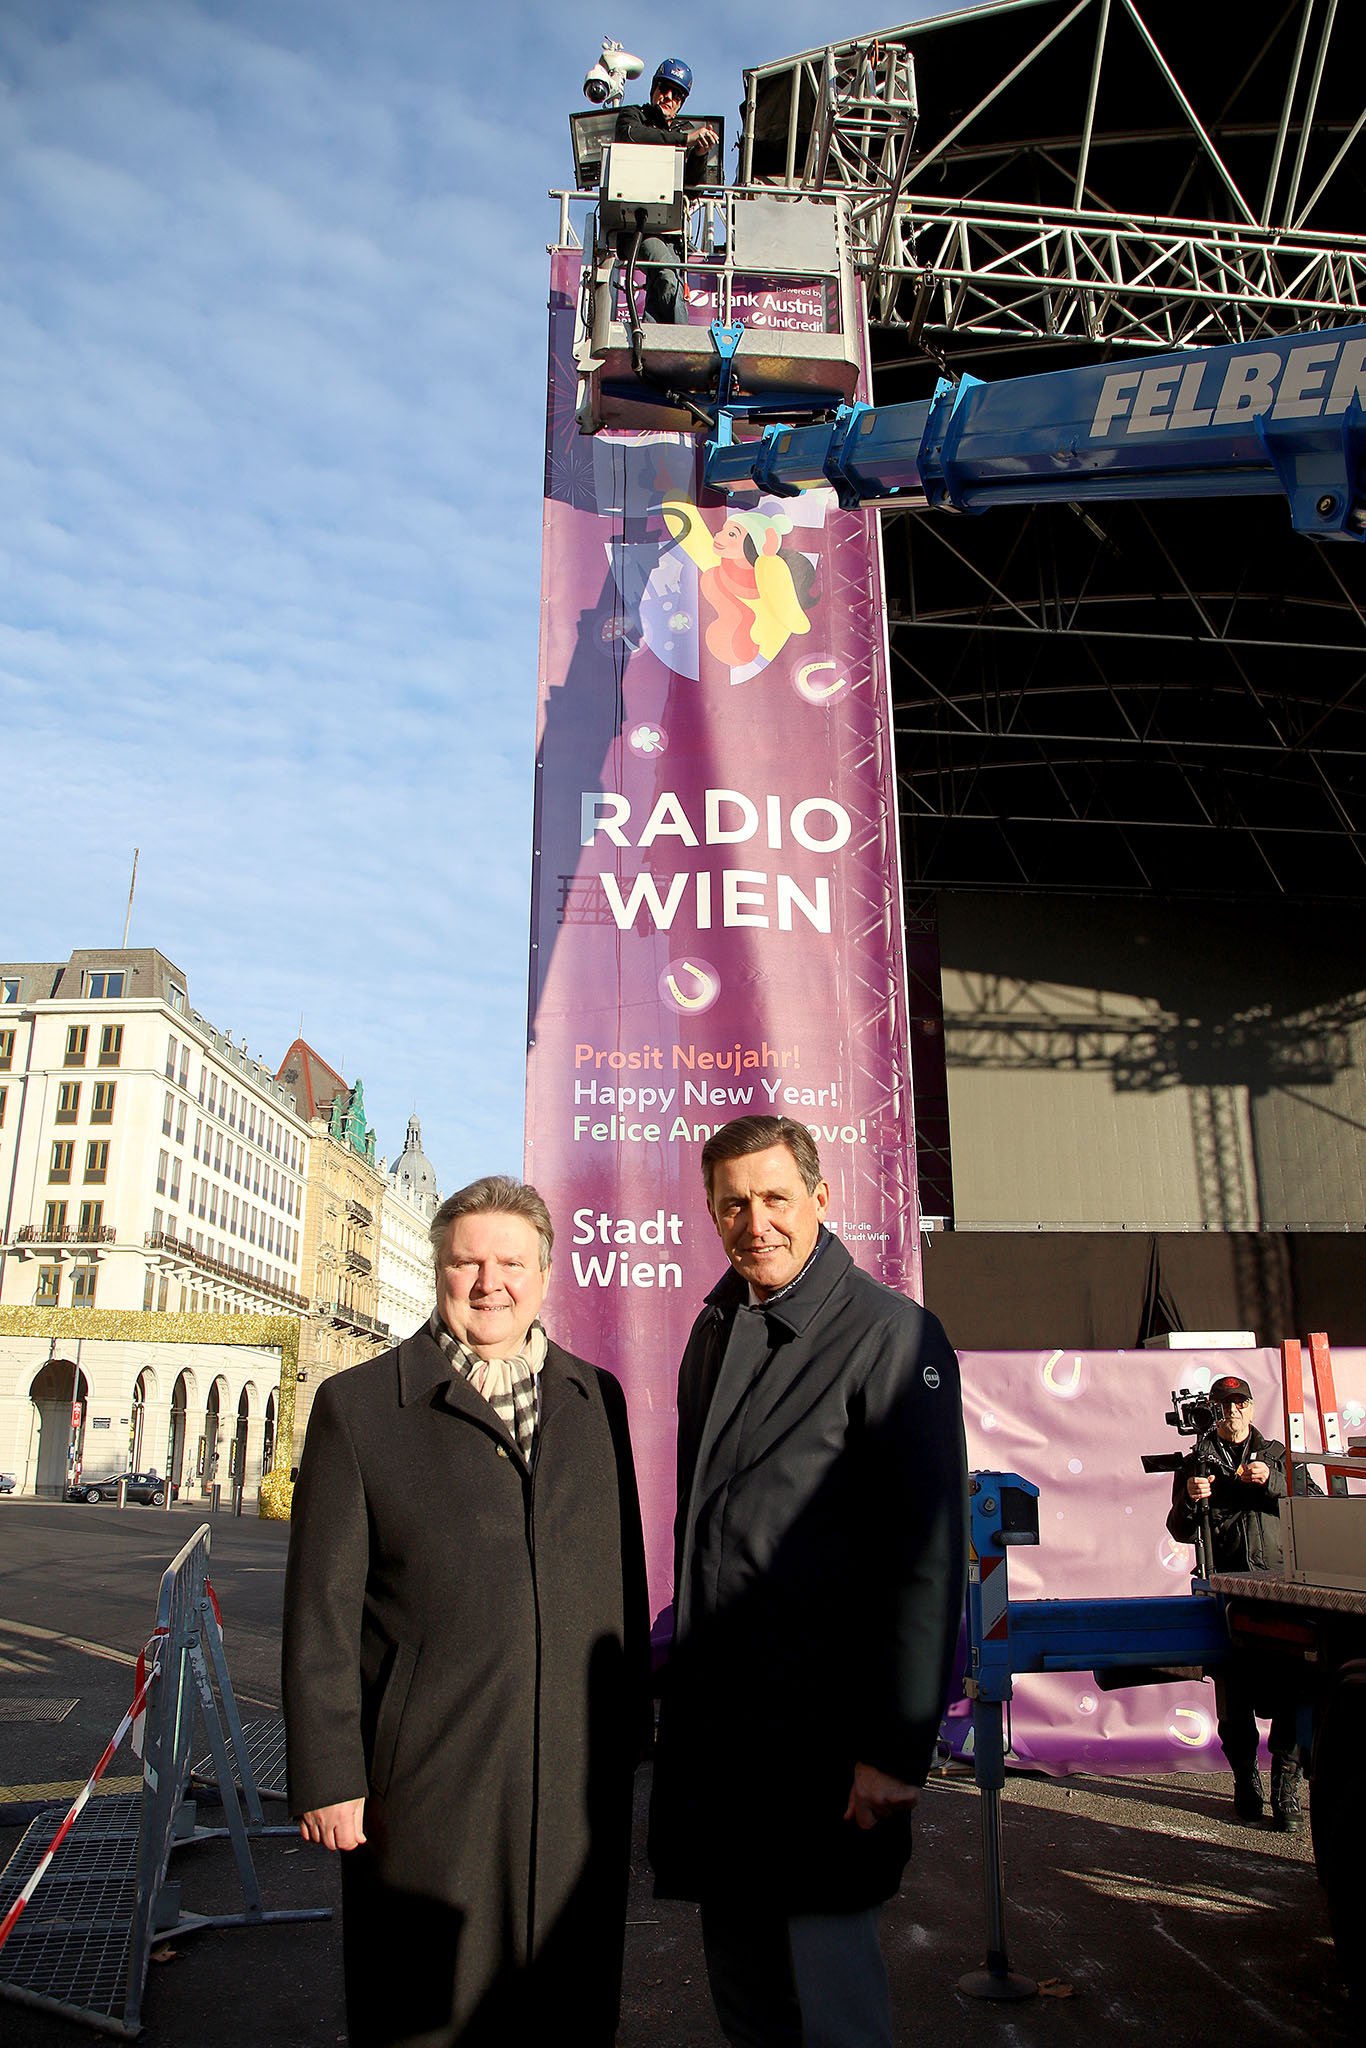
[[606, 83], [1191, 1414]]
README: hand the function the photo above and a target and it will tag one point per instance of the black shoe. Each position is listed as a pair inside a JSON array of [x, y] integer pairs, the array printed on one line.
[[1247, 1795], [1285, 1795]]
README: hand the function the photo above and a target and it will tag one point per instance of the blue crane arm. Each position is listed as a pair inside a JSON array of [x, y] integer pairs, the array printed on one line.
[[1282, 415], [1007, 1636]]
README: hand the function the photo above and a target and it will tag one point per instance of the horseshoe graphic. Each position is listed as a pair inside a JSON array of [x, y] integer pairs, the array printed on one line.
[[1201, 1723], [706, 987], [817, 693], [1059, 1386]]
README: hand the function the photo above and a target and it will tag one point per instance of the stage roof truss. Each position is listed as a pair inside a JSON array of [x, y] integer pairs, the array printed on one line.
[[1117, 699], [975, 271], [983, 221]]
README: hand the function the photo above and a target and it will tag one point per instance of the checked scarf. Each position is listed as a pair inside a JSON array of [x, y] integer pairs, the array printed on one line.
[[507, 1384]]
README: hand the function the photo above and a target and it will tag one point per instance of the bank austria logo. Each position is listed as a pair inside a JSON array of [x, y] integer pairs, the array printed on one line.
[[931, 1377]]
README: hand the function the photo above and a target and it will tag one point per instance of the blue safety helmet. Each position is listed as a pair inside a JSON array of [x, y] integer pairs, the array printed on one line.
[[674, 72]]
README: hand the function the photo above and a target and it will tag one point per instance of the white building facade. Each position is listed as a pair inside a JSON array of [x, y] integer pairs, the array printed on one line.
[[146, 1163], [80, 1409], [407, 1287]]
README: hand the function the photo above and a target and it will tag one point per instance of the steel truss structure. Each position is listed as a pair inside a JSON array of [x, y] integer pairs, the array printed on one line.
[[1104, 182], [970, 273], [1131, 698]]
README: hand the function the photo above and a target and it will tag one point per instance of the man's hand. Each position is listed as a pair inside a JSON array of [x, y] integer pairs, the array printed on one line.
[[1256, 1472], [335, 1827], [701, 139], [874, 1795], [1199, 1489]]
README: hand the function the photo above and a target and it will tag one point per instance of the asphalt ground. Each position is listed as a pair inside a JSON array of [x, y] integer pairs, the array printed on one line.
[[1147, 1915]]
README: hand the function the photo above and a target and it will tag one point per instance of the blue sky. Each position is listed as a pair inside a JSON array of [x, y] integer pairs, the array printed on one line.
[[272, 286]]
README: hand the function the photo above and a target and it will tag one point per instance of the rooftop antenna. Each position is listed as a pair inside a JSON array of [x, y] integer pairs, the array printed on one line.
[[131, 886]]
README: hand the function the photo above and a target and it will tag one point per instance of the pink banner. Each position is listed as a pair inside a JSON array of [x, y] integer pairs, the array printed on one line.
[[716, 921], [1077, 1424], [783, 305]]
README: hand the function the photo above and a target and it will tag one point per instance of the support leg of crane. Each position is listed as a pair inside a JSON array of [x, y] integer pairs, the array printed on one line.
[[997, 1980], [725, 340]]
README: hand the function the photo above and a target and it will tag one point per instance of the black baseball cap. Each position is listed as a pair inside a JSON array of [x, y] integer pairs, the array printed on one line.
[[1230, 1388]]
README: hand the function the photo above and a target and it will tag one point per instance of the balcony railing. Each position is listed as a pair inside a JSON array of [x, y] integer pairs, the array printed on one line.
[[34, 1233], [345, 1316], [358, 1213], [356, 1262], [234, 1276]]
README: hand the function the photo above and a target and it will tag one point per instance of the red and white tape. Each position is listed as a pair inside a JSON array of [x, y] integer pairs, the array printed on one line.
[[7, 1925], [140, 1689]]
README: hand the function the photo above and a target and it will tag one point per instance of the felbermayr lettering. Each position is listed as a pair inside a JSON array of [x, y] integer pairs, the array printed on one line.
[[1318, 381]]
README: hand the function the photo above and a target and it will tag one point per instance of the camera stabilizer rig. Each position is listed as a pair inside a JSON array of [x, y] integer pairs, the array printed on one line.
[[1192, 1414]]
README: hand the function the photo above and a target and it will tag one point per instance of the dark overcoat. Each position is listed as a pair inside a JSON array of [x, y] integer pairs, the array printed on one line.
[[818, 1587], [465, 1648]]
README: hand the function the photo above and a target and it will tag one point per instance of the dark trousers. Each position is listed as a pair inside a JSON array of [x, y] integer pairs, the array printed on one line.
[[665, 303], [1241, 1692], [808, 1980]]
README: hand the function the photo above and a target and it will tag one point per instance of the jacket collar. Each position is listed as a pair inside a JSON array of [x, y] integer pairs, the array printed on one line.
[[1231, 1456], [795, 1311]]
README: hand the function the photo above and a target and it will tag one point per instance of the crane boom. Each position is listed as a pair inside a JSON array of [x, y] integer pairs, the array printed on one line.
[[1279, 415]]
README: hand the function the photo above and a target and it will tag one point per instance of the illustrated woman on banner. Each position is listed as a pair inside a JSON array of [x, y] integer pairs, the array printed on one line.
[[758, 591]]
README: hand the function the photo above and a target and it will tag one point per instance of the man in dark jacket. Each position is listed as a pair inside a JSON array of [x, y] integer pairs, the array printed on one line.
[[818, 1591], [1239, 1476], [658, 122], [465, 1658]]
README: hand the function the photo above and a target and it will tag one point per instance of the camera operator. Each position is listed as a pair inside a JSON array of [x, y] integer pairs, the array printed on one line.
[[1238, 1475]]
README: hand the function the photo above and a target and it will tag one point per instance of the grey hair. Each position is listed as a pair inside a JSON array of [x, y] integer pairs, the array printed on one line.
[[745, 1134], [496, 1194]]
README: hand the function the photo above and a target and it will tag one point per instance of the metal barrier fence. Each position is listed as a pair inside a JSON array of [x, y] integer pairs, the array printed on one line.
[[83, 1945]]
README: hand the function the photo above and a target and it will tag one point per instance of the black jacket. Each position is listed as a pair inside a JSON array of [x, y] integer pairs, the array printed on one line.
[[1244, 1520], [650, 124], [819, 1581]]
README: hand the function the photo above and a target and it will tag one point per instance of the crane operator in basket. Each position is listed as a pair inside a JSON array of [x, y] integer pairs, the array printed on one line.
[[658, 122]]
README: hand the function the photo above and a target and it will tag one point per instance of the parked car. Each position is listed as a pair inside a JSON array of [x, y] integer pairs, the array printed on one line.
[[7, 1482], [148, 1488]]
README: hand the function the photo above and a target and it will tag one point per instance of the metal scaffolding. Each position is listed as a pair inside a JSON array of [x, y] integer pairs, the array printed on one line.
[[1136, 698], [1103, 183], [1140, 697]]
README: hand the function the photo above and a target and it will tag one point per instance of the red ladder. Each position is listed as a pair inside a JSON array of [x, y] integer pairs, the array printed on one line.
[[1336, 1463]]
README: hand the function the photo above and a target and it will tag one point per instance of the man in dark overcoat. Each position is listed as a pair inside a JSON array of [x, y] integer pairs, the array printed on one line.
[[820, 1548], [466, 1657]]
